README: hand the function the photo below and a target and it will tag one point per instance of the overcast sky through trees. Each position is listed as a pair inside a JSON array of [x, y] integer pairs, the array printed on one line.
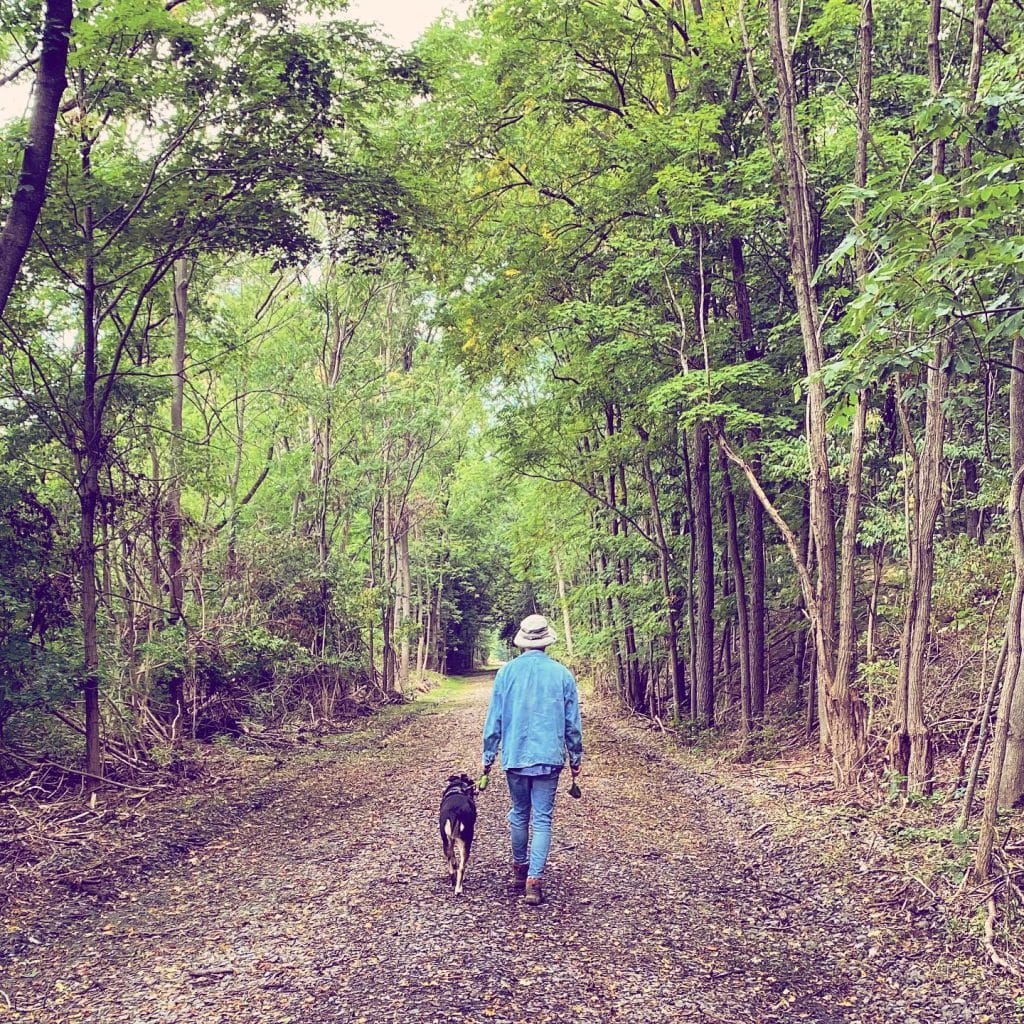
[[401, 20]]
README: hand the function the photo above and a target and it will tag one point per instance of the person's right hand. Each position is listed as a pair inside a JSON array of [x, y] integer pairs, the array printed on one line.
[[575, 771]]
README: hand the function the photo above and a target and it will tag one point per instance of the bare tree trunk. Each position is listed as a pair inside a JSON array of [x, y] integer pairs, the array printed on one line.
[[691, 573], [1008, 745], [636, 682], [1003, 765], [30, 191], [677, 677], [756, 667], [758, 648], [630, 694], [704, 681], [911, 746], [404, 607], [438, 613], [89, 461], [1006, 774], [235, 479], [844, 707], [740, 590], [846, 653], [387, 546], [604, 575], [877, 569], [609, 607], [983, 722], [175, 526], [974, 517], [156, 577], [423, 621], [563, 601]]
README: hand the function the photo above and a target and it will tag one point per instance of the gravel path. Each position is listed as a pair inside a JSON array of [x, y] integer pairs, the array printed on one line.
[[665, 903]]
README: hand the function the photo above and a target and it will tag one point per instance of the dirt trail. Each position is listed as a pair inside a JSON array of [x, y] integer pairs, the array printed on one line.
[[330, 904]]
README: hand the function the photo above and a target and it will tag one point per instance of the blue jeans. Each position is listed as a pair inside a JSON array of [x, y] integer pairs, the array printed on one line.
[[533, 797]]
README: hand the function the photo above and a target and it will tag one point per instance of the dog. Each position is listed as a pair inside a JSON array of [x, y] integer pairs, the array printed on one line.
[[457, 819]]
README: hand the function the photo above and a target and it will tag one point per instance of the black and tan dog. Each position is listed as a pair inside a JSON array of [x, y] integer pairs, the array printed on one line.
[[457, 819]]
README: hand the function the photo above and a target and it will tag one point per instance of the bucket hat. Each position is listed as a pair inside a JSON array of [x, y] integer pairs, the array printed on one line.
[[534, 631]]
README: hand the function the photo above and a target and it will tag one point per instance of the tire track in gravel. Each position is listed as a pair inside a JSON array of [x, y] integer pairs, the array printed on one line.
[[331, 905]]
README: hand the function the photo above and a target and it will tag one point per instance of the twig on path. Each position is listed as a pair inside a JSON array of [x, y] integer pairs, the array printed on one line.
[[7, 999], [719, 975], [210, 972], [759, 831], [924, 885]]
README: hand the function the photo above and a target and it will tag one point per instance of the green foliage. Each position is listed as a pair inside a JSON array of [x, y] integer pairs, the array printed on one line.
[[34, 600], [455, 322]]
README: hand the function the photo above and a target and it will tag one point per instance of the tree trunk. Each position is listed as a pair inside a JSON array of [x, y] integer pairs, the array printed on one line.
[[740, 589], [631, 694], [89, 497], [1007, 766], [758, 649], [911, 746], [756, 669], [677, 678], [30, 191], [609, 607], [974, 517], [387, 553], [563, 602], [844, 707], [156, 576], [605, 578], [636, 681], [404, 608], [877, 570], [175, 527], [1008, 745], [423, 622], [691, 574], [704, 681]]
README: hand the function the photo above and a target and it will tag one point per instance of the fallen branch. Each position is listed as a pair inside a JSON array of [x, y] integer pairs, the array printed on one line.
[[210, 972], [1008, 964], [81, 774]]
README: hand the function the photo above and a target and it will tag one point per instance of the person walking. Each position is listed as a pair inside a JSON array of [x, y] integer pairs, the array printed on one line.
[[534, 717]]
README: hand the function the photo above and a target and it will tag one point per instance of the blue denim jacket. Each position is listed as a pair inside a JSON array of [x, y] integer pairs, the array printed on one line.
[[534, 714]]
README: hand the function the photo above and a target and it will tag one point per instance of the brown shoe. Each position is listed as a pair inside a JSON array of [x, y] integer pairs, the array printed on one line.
[[534, 892], [519, 873]]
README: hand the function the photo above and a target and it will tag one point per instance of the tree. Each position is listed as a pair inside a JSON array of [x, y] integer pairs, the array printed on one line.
[[30, 190]]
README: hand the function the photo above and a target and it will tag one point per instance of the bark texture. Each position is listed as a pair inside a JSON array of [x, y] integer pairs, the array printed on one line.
[[30, 191]]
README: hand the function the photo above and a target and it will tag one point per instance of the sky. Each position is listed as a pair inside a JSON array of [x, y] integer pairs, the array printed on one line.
[[404, 20], [400, 20]]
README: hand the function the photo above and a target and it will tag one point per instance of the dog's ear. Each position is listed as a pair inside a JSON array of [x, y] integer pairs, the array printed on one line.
[[455, 778]]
